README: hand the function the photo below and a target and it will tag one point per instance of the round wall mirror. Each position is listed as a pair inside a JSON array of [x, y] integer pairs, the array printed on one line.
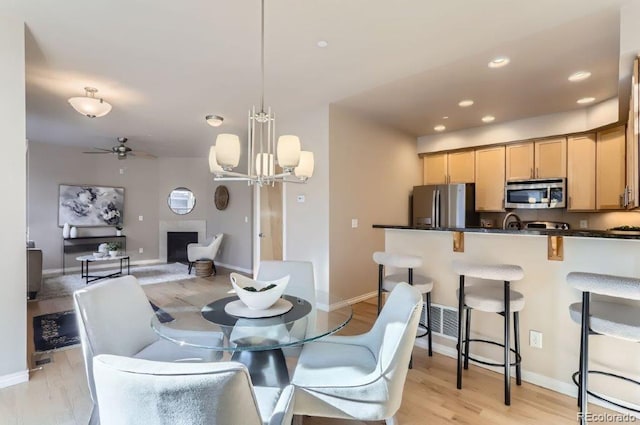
[[181, 200]]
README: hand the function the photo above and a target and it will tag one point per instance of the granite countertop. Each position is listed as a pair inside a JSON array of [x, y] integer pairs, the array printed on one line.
[[583, 233]]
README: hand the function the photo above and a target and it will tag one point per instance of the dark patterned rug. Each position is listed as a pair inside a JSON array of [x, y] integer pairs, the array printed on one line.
[[58, 330]]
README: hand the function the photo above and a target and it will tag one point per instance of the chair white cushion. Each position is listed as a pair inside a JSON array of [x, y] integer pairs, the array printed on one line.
[[422, 283], [502, 272], [167, 351], [197, 251], [610, 318], [489, 297], [361, 377]]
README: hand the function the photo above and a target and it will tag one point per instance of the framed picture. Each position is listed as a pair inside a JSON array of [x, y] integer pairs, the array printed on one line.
[[90, 206]]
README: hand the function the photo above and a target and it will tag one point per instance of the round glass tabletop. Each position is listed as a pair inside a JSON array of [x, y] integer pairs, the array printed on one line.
[[218, 320]]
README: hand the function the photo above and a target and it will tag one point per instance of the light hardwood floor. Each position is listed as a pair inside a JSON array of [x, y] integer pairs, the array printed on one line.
[[57, 394]]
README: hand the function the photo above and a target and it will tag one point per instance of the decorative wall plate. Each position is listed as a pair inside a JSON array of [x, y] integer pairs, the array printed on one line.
[[221, 197]]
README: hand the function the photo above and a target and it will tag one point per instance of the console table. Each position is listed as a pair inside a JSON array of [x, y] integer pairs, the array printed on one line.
[[86, 244]]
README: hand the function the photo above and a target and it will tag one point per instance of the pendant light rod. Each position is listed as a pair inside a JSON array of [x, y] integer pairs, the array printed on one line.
[[262, 55]]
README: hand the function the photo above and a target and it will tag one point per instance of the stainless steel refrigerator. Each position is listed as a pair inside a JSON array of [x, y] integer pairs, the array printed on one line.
[[445, 205]]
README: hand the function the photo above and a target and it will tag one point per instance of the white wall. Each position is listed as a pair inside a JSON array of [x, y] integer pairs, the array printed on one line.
[[13, 327]]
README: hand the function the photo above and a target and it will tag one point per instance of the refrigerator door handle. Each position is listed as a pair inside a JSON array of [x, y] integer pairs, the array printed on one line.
[[437, 208], [434, 220]]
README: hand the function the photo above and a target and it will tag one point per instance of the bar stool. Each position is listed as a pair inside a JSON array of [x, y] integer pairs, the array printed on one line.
[[492, 298], [611, 318], [386, 283]]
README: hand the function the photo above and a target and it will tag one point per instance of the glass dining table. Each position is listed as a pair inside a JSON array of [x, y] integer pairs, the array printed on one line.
[[203, 320]]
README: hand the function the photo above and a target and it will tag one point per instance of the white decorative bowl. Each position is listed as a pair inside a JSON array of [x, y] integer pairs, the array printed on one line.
[[99, 254], [258, 300]]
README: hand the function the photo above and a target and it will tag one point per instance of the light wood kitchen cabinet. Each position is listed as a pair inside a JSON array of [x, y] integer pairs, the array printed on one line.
[[550, 158], [610, 168], [519, 161], [581, 172], [541, 159], [461, 167], [490, 177], [435, 168], [449, 167]]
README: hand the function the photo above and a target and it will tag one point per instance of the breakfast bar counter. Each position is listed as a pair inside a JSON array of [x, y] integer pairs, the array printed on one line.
[[544, 286]]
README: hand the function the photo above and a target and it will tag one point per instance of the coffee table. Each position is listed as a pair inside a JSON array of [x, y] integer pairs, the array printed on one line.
[[85, 260]]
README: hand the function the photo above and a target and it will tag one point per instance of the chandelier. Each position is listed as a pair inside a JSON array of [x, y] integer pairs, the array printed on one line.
[[263, 154], [89, 105]]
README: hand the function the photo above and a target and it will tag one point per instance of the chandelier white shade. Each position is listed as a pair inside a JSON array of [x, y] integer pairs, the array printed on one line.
[[89, 105], [263, 154]]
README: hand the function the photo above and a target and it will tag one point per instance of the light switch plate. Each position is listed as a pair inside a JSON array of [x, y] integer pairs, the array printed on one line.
[[300, 198], [354, 223], [535, 339], [140, 250], [140, 218]]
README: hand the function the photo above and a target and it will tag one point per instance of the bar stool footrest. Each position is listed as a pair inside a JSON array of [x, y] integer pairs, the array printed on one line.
[[426, 331], [518, 357], [574, 377]]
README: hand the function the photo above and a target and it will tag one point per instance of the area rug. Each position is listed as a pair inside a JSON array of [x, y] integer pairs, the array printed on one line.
[[58, 330], [59, 286]]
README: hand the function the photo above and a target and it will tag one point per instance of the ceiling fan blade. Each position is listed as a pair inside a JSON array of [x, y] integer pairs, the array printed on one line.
[[99, 152], [141, 154]]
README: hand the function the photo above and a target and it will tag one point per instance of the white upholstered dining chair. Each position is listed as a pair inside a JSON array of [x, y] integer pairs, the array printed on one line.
[[114, 317], [196, 251], [361, 377], [142, 392]]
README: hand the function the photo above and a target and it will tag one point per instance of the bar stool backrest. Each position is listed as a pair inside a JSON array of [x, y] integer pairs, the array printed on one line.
[[401, 261], [503, 272], [614, 286]]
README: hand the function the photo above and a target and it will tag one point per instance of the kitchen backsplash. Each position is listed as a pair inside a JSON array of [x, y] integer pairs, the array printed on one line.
[[595, 220]]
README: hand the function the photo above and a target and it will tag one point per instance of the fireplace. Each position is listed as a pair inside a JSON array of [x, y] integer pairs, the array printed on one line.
[[177, 245]]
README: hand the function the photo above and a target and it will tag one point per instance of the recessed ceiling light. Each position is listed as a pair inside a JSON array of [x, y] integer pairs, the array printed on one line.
[[465, 103], [440, 127], [585, 100], [323, 43], [445, 118], [499, 62], [579, 76], [488, 118]]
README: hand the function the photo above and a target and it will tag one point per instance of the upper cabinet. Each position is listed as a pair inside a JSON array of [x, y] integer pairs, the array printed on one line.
[[537, 160], [581, 172], [610, 169], [451, 167], [633, 192], [490, 173]]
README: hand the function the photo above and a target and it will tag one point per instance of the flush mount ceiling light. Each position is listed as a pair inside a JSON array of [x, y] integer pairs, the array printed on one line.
[[440, 127], [585, 100], [89, 105], [214, 120], [465, 103], [262, 152], [323, 43], [488, 118], [499, 62], [579, 76]]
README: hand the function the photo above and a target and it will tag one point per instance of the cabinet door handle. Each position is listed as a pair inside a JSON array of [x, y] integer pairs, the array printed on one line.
[[531, 172], [569, 206], [537, 173], [445, 179]]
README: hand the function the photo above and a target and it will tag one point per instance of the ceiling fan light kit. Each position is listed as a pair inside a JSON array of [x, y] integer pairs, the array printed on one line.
[[262, 151], [89, 105]]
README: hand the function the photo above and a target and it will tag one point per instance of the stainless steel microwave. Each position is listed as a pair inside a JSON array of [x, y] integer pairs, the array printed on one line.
[[536, 194]]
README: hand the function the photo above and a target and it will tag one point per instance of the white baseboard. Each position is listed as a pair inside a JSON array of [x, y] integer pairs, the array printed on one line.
[[533, 378], [236, 268], [350, 301], [14, 378], [49, 272]]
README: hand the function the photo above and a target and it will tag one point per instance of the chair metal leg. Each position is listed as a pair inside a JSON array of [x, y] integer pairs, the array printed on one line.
[[190, 267], [467, 333], [213, 264], [584, 359], [507, 366], [429, 321], [460, 311], [380, 277], [516, 337]]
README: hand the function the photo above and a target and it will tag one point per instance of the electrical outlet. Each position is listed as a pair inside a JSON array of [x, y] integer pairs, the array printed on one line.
[[584, 224], [535, 339], [140, 250], [122, 171], [246, 219], [354, 223], [300, 198]]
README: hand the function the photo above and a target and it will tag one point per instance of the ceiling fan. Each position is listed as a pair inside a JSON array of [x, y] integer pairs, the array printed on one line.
[[123, 151]]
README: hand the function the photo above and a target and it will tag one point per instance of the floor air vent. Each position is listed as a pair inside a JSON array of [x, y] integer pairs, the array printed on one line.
[[444, 321]]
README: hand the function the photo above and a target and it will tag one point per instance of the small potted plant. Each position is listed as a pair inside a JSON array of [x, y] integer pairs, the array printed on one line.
[[113, 248]]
